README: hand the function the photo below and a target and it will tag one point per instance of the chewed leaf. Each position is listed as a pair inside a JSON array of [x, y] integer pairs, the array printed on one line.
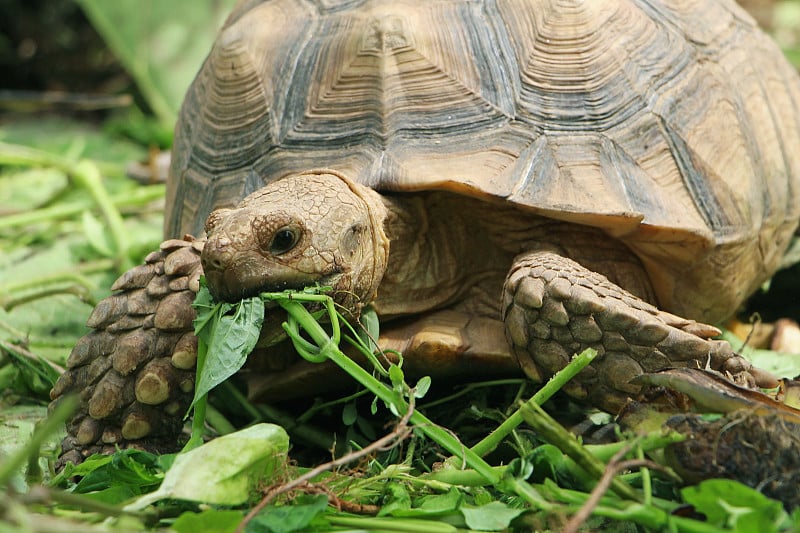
[[231, 340], [224, 471], [207, 312]]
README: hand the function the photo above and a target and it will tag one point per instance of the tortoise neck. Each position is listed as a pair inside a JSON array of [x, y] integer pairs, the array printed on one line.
[[432, 261], [369, 276]]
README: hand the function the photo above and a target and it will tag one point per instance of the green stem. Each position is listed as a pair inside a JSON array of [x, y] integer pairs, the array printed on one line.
[[251, 411], [17, 154], [655, 440], [307, 433], [384, 393], [56, 283], [88, 175], [218, 421], [134, 197], [47, 496], [50, 425], [649, 516], [552, 432], [647, 484], [43, 292], [493, 439], [391, 524], [465, 478], [199, 414]]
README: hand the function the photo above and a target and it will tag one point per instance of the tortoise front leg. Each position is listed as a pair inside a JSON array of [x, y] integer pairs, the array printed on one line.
[[553, 308], [134, 374]]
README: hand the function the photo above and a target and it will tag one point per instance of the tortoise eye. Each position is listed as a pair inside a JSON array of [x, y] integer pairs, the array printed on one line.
[[284, 240]]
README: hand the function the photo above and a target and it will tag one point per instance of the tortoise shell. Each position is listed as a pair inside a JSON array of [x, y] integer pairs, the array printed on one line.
[[672, 125]]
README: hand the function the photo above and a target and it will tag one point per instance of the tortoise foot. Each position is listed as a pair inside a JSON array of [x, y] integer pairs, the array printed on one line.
[[553, 308], [134, 374]]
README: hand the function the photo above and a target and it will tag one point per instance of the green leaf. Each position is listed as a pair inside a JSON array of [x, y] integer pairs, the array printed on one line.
[[232, 339], [349, 413], [206, 310], [131, 468], [288, 518], [114, 494], [53, 323], [727, 503], [30, 188], [373, 406], [370, 327], [115, 478], [397, 499], [396, 377], [441, 503], [549, 461], [161, 44], [17, 424], [224, 471], [777, 363], [422, 387], [59, 137], [494, 516], [35, 375], [432, 505], [208, 521]]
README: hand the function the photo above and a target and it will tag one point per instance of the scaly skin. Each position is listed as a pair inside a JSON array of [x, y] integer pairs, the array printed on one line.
[[134, 374]]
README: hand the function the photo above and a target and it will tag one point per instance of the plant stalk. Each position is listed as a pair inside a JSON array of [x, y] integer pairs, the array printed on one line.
[[493, 439], [384, 393]]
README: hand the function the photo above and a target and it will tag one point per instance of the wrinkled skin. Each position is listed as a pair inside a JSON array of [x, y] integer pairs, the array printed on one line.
[[295, 234]]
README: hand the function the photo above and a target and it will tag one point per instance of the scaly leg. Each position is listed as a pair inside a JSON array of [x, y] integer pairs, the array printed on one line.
[[134, 374], [553, 308]]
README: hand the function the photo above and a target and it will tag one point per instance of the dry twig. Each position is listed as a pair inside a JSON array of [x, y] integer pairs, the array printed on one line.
[[614, 467]]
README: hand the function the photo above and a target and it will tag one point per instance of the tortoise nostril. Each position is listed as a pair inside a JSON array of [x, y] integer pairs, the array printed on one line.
[[216, 254], [214, 263]]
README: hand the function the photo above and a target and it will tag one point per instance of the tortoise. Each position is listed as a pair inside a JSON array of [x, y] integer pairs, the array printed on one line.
[[505, 182]]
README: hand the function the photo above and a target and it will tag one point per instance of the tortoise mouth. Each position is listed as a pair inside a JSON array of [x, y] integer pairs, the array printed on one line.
[[229, 287]]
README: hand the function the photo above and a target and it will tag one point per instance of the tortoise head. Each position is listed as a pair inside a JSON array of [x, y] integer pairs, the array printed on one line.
[[314, 227]]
